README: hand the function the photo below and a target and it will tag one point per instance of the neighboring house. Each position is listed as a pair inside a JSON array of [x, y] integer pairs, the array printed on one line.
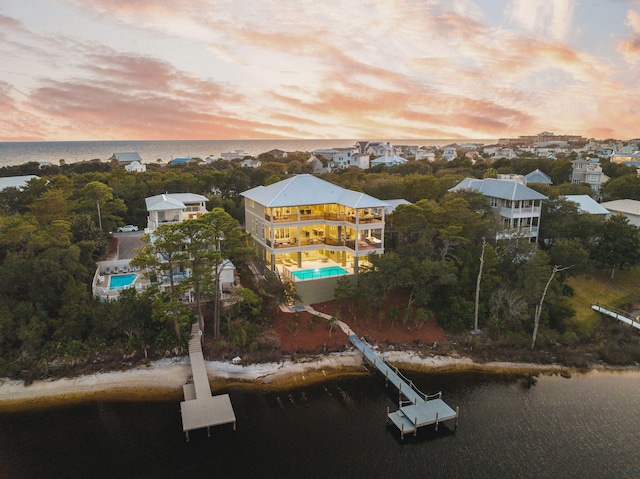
[[248, 163], [586, 204], [18, 182], [125, 158], [449, 153], [173, 208], [516, 204], [232, 155], [508, 153], [537, 176], [180, 161], [311, 232], [628, 208], [393, 204], [316, 165], [511, 177], [627, 157], [136, 166], [378, 148], [327, 154], [588, 171], [388, 161], [347, 157], [276, 153]]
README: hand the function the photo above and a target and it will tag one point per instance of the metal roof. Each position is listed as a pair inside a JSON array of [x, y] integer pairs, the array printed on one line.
[[172, 201], [631, 207], [537, 176], [586, 204], [16, 181], [127, 157], [504, 189], [309, 190]]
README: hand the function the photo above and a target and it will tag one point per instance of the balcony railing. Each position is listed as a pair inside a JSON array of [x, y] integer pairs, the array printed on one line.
[[520, 212], [363, 219]]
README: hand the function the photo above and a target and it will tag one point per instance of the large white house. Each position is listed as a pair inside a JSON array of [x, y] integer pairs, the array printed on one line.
[[311, 232], [516, 204], [173, 208]]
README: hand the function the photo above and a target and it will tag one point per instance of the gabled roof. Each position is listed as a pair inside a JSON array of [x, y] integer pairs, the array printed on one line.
[[537, 176], [16, 181], [586, 204], [309, 190], [127, 157], [172, 201], [504, 189]]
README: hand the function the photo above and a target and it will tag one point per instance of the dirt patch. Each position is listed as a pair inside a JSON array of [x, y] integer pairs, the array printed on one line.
[[303, 332]]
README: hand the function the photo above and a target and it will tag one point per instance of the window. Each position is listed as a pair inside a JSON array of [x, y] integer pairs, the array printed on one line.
[[494, 202]]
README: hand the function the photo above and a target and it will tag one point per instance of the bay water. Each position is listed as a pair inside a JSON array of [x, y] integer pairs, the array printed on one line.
[[510, 426]]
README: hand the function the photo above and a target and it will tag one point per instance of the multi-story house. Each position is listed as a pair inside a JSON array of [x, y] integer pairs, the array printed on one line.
[[347, 157], [173, 208], [311, 232], [588, 171], [517, 205], [449, 153]]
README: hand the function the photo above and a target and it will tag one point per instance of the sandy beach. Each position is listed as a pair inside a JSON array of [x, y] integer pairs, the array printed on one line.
[[163, 379]]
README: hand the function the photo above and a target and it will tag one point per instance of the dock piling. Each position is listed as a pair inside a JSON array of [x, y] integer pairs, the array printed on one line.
[[457, 414], [436, 421]]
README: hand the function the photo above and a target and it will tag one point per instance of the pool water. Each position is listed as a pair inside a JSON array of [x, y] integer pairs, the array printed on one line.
[[315, 273], [121, 281]]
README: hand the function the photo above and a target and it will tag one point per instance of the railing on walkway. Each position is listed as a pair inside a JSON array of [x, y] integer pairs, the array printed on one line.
[[616, 313]]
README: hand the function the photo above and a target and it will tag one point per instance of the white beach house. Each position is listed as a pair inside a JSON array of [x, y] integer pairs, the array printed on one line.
[[310, 232]]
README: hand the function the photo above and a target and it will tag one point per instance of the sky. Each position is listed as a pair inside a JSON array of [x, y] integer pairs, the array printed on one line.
[[259, 69]]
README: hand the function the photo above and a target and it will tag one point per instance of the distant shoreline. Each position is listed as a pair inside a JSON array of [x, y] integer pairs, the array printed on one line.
[[19, 153], [163, 379]]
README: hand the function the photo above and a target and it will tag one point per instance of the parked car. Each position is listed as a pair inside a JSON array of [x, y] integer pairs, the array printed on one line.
[[128, 228]]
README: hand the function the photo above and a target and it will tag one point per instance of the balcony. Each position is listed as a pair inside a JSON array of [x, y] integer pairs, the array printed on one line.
[[529, 212]]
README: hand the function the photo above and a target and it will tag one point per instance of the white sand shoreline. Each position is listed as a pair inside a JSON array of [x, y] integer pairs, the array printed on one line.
[[171, 374]]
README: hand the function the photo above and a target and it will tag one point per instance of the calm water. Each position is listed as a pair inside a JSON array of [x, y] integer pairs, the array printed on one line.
[[17, 153], [583, 427]]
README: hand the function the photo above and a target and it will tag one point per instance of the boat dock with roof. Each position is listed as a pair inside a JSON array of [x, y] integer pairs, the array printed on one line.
[[200, 409]]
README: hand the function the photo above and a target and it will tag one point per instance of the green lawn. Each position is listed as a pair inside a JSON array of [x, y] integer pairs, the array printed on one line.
[[600, 288]]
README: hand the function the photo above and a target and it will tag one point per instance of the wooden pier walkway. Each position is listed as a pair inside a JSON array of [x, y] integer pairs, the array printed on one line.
[[617, 314], [200, 409], [417, 409]]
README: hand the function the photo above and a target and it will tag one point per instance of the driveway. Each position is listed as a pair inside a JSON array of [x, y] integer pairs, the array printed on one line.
[[127, 242]]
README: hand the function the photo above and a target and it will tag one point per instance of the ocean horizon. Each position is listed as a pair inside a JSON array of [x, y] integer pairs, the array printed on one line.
[[20, 152]]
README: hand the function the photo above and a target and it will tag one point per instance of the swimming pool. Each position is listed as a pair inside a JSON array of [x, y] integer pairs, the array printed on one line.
[[121, 281], [315, 273]]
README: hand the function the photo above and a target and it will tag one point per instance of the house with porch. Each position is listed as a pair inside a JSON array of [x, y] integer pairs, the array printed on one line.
[[310, 232], [517, 205]]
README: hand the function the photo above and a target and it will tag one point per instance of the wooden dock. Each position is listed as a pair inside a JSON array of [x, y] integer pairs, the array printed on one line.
[[617, 314], [200, 409], [416, 409]]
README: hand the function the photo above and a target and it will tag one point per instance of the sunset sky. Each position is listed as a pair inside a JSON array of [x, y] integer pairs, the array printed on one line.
[[244, 69]]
